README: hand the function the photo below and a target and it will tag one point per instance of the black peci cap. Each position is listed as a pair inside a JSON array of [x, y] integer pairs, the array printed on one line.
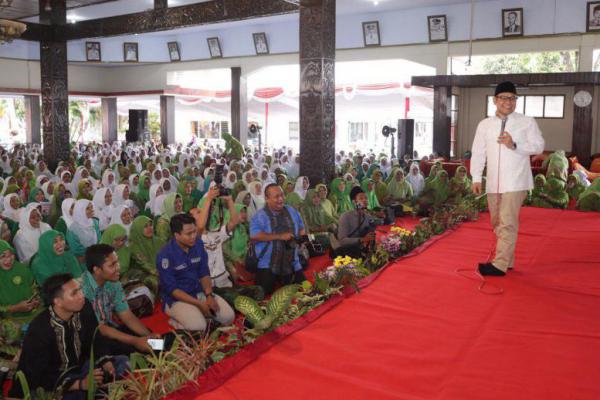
[[505, 87]]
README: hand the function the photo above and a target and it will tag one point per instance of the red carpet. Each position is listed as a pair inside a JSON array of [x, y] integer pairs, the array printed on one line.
[[423, 331]]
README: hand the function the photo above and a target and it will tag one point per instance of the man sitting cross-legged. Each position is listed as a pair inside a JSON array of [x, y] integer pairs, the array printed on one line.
[[103, 289]]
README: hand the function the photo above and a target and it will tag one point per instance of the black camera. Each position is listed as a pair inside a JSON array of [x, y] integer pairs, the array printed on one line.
[[223, 191], [297, 241]]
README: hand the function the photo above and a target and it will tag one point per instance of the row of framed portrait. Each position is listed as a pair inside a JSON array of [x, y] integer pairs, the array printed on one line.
[[512, 25], [93, 51]]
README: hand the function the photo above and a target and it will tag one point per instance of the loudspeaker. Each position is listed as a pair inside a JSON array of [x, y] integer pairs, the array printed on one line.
[[406, 133], [138, 121]]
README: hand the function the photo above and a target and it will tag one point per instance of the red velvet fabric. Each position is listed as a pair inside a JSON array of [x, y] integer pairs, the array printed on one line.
[[423, 331]]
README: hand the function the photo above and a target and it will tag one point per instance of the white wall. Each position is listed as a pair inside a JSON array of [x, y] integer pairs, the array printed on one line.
[[398, 27]]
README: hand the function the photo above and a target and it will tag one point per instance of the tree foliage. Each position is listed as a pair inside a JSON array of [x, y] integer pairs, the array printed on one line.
[[543, 62]]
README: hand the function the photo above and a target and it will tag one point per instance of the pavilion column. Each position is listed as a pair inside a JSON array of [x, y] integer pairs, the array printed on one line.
[[583, 123], [33, 124], [54, 83], [442, 105], [239, 106], [317, 90], [161, 4], [167, 119], [109, 119]]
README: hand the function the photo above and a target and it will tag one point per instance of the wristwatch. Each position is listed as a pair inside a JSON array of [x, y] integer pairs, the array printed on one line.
[[211, 294]]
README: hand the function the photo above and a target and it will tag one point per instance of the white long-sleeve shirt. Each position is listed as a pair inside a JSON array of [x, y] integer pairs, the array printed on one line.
[[514, 173]]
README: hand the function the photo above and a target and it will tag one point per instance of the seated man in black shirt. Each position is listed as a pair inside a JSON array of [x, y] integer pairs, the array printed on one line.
[[58, 343], [356, 228]]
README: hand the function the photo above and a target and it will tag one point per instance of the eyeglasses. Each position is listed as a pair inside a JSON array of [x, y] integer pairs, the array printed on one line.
[[507, 98]]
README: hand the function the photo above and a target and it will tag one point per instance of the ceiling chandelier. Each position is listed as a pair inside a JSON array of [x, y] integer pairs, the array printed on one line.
[[10, 30]]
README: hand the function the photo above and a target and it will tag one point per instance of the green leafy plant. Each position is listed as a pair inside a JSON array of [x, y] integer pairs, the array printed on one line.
[[264, 319]]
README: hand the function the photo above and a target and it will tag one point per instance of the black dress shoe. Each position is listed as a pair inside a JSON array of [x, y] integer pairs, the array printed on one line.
[[489, 269]]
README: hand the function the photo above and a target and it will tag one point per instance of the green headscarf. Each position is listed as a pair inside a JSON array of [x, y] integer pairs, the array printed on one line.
[[32, 194], [219, 214], [143, 193], [46, 262], [578, 187], [169, 206], [314, 216], [589, 200], [557, 196], [236, 247], [188, 199], [16, 284], [327, 205], [80, 187], [144, 248], [372, 201], [341, 200], [112, 233], [441, 189], [399, 190]]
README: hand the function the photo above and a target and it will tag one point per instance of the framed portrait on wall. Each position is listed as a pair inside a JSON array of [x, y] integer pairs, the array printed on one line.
[[174, 54], [512, 22], [130, 52], [260, 43], [214, 46], [438, 31], [93, 51], [371, 35], [593, 16]]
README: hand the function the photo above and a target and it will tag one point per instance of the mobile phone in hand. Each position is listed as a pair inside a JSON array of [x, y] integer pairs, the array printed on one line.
[[157, 344]]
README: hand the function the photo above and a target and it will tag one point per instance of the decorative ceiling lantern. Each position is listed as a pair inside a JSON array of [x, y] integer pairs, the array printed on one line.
[[10, 30]]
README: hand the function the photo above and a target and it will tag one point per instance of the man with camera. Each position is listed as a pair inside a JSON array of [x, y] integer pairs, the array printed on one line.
[[356, 228], [275, 229]]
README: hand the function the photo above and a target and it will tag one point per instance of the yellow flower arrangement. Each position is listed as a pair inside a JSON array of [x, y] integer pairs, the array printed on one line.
[[398, 230], [343, 261]]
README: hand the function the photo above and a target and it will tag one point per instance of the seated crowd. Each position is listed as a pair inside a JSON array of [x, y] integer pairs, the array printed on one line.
[[80, 245]]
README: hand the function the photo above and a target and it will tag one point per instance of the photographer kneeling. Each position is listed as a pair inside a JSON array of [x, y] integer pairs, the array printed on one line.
[[356, 228], [276, 228]]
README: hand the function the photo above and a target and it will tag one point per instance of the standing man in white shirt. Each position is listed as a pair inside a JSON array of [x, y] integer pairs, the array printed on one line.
[[504, 144]]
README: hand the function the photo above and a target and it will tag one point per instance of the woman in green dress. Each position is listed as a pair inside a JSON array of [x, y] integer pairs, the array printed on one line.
[[460, 184], [144, 247], [574, 187], [340, 196], [52, 258], [116, 236], [399, 190], [326, 204], [537, 195], [173, 205], [318, 222], [589, 200]]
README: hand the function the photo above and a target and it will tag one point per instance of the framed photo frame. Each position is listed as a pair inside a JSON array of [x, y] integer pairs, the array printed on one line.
[[593, 16], [174, 54], [371, 34], [438, 28], [93, 51], [214, 47], [260, 43], [512, 22], [130, 52]]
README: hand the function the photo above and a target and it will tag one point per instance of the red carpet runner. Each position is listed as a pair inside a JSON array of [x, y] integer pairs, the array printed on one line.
[[422, 331]]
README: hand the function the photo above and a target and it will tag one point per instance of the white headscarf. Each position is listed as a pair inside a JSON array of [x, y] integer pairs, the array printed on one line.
[[157, 206], [227, 181], [101, 210], [9, 212], [299, 188], [115, 217], [417, 181], [82, 226], [118, 199], [66, 211], [152, 195], [105, 177], [26, 240], [258, 200]]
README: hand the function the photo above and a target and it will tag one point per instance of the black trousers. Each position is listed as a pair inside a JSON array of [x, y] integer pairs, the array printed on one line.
[[267, 280]]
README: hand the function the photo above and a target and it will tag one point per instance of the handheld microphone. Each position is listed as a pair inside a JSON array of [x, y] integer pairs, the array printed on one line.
[[503, 126]]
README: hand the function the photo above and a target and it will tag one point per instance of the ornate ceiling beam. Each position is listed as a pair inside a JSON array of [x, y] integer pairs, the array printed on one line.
[[37, 32], [176, 17]]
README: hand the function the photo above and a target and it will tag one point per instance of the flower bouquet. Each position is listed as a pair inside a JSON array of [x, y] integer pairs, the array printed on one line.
[[345, 271]]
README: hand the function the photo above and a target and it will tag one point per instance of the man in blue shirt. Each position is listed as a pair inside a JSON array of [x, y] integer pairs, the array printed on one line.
[[185, 283], [275, 227]]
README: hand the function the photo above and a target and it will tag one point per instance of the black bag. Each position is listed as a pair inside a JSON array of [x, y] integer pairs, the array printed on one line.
[[252, 259]]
